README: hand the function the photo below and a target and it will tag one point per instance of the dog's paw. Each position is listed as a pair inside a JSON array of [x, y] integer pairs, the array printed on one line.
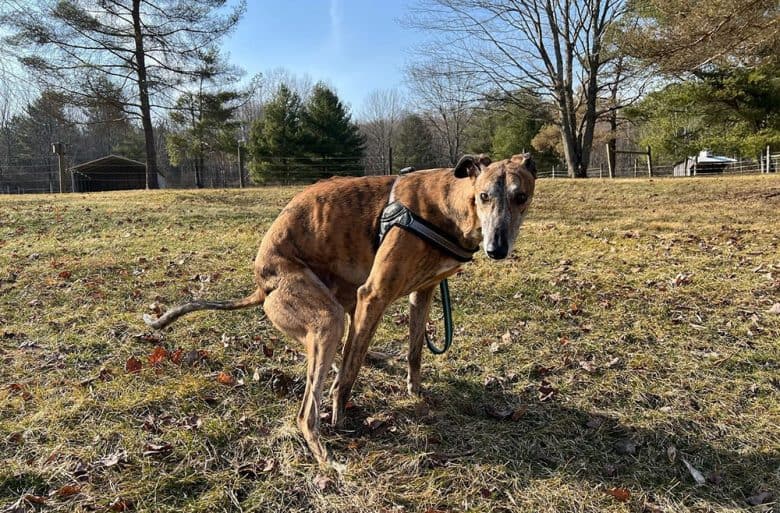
[[415, 390]]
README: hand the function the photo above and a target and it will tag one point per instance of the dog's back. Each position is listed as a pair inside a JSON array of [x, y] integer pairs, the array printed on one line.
[[332, 226]]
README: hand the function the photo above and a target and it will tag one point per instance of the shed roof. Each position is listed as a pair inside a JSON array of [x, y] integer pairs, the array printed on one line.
[[109, 161], [706, 157]]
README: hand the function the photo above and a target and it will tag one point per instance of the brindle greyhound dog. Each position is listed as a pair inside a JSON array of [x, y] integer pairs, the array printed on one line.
[[321, 259]]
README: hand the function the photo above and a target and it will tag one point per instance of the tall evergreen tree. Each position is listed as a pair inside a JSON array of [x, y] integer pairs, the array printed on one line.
[[276, 141], [150, 46], [414, 145], [333, 142]]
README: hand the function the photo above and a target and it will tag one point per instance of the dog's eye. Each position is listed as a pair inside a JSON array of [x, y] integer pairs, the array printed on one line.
[[521, 197], [483, 196]]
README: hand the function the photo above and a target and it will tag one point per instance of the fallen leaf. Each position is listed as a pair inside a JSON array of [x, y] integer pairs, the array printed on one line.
[[113, 459], [66, 491], [323, 482], [695, 474], [151, 449], [546, 391], [120, 504], [671, 453], [158, 355], [133, 365], [495, 413], [759, 498], [775, 309], [588, 366], [64, 275], [190, 357], [495, 347], [254, 469], [191, 422], [651, 508], [681, 279], [21, 390], [35, 499], [176, 356], [268, 351], [506, 338], [373, 423], [518, 413], [226, 379], [620, 494]]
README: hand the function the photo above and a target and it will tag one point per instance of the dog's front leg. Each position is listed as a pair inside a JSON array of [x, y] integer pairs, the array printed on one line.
[[372, 302], [419, 308]]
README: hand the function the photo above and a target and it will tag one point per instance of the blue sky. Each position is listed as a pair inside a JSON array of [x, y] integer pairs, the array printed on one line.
[[355, 46]]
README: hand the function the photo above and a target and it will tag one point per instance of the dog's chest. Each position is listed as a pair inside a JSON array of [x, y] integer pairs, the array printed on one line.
[[449, 267]]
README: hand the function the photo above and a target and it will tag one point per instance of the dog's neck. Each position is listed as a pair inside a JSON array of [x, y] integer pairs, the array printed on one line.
[[443, 200]]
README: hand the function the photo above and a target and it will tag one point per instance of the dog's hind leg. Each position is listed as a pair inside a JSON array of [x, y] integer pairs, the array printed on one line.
[[303, 308], [419, 307]]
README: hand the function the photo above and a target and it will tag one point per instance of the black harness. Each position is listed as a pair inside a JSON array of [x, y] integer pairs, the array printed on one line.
[[397, 214]]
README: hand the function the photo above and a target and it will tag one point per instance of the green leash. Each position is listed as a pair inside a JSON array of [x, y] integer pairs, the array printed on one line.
[[446, 306]]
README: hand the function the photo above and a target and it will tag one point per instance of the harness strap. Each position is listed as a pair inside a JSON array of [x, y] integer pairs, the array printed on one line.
[[396, 214]]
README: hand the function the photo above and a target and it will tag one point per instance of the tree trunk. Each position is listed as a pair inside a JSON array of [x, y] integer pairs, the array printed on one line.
[[143, 93], [612, 142]]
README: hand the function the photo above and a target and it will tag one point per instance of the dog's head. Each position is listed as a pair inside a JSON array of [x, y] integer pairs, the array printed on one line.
[[502, 195]]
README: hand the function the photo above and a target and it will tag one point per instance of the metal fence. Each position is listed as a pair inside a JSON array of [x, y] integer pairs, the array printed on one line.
[[43, 178], [747, 166]]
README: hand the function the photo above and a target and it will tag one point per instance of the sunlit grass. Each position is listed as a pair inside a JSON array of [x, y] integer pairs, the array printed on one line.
[[643, 304]]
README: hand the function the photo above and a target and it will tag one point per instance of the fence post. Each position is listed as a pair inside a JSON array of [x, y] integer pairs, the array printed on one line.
[[389, 161], [649, 163], [57, 149], [553, 172], [240, 165], [600, 169], [768, 160], [609, 163]]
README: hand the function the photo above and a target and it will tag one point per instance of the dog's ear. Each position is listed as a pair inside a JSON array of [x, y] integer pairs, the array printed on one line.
[[471, 165], [527, 161]]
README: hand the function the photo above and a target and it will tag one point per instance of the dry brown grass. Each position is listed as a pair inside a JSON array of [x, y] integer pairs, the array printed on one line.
[[644, 304]]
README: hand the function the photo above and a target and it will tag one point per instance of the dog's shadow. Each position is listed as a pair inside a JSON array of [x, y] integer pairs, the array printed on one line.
[[460, 422]]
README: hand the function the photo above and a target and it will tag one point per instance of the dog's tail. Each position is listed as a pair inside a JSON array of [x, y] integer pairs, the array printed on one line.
[[254, 299]]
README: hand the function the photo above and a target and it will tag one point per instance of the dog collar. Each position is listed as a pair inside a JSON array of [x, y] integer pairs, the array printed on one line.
[[396, 214]]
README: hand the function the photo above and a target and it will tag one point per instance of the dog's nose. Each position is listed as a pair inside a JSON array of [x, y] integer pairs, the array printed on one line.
[[497, 253]]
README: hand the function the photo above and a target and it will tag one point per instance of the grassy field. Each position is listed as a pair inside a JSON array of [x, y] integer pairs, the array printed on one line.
[[625, 350]]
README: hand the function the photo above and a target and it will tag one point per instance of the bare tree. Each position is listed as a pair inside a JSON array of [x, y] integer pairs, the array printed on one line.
[[381, 113], [553, 48], [446, 98], [146, 47]]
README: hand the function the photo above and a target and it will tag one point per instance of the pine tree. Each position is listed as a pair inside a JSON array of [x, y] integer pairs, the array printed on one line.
[[333, 142], [276, 142], [150, 47]]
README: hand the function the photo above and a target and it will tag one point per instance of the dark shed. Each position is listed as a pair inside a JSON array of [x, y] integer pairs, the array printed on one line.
[[109, 173]]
